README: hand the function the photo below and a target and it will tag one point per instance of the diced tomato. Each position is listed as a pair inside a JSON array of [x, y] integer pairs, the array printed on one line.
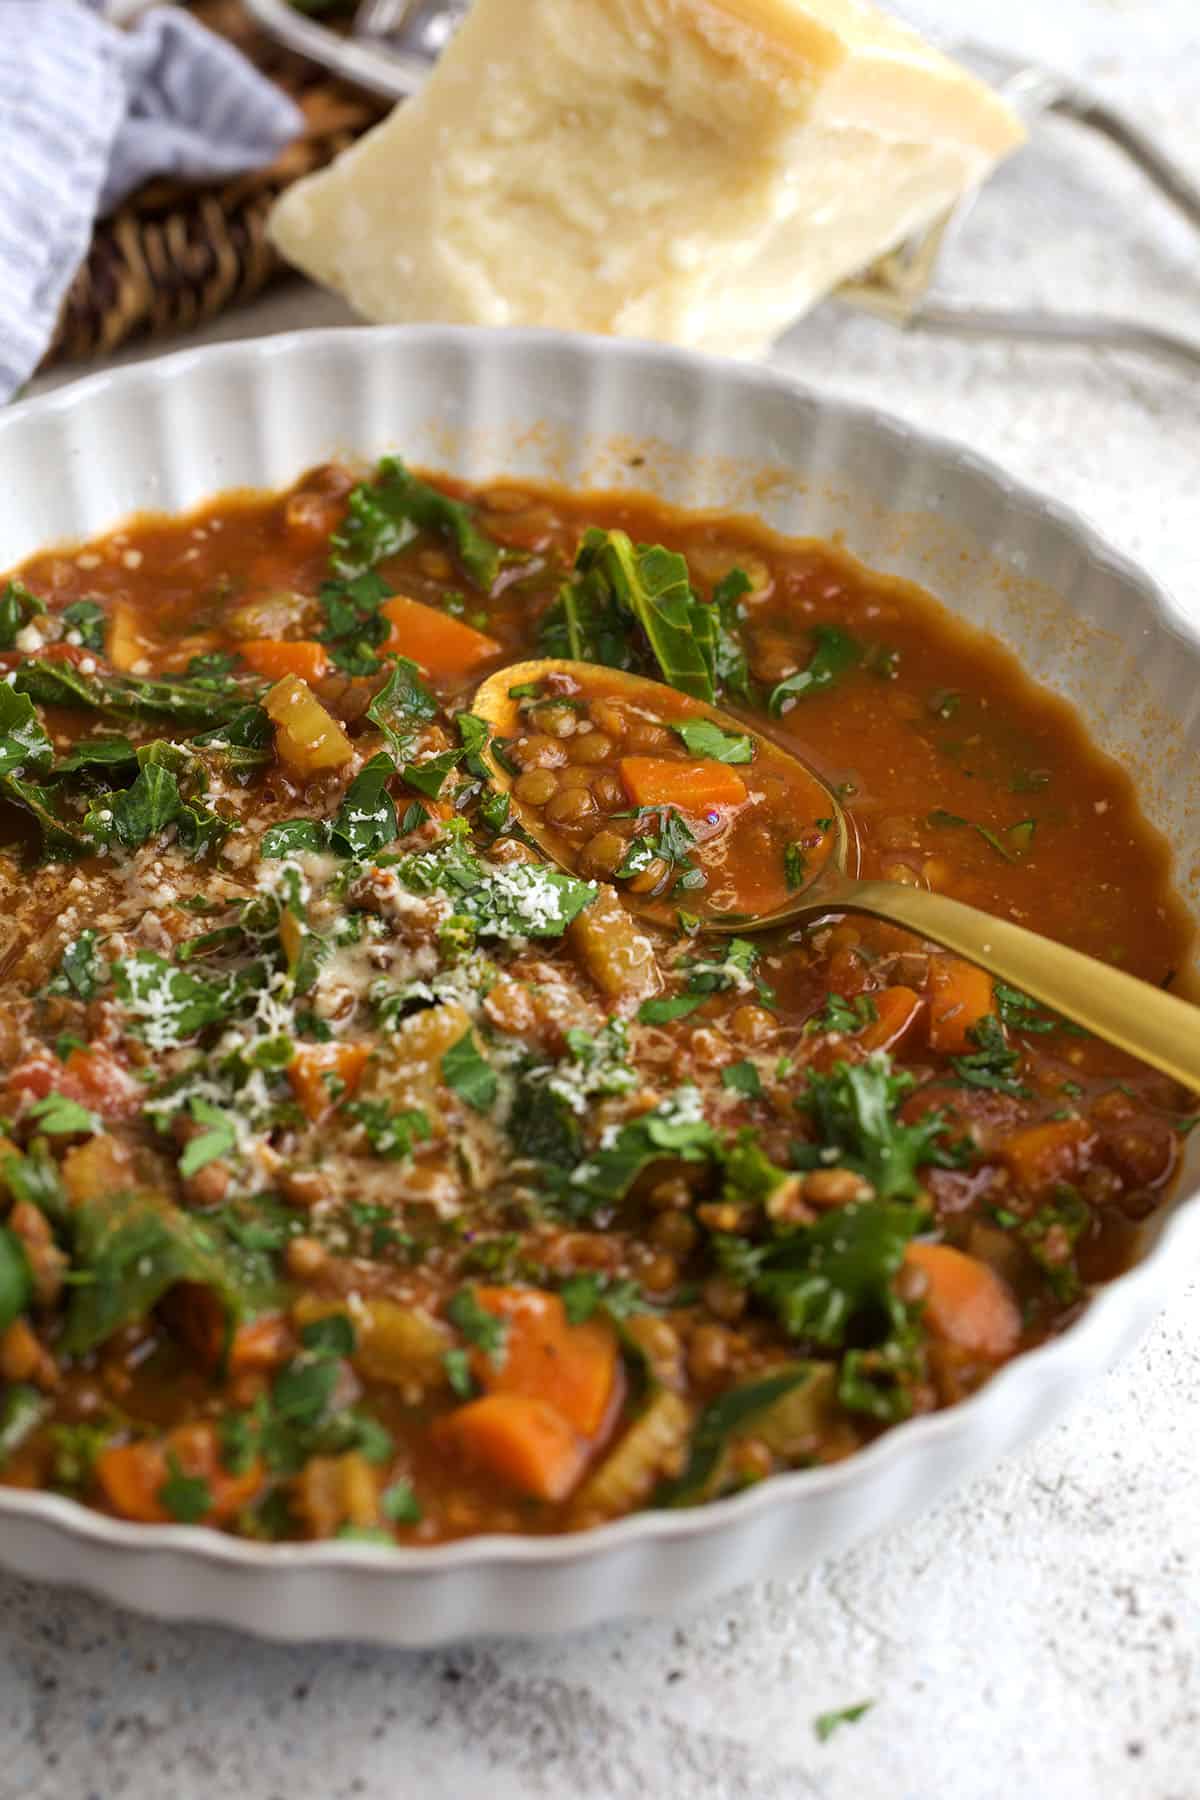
[[98, 1079]]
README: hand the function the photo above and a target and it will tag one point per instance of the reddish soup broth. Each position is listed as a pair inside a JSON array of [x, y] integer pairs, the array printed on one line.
[[364, 1175]]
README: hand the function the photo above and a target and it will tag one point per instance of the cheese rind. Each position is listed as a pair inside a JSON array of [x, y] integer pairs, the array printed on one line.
[[699, 171]]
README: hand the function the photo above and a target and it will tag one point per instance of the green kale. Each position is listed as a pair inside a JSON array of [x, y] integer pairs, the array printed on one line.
[[97, 753], [1019, 1013], [854, 1110], [469, 1074], [129, 1250], [731, 1415], [391, 1133], [81, 970], [61, 839], [651, 587], [675, 1129], [511, 900], [59, 1116], [292, 837], [366, 820], [169, 1005], [186, 1497], [385, 515], [670, 842], [703, 738], [85, 621], [993, 1064], [478, 1326], [742, 1078], [402, 702], [355, 628], [845, 1016], [16, 1282], [218, 1139], [24, 744], [832, 1283], [152, 698], [835, 654], [17, 608]]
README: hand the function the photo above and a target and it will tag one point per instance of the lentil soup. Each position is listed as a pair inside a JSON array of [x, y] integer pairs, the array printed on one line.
[[365, 1176]]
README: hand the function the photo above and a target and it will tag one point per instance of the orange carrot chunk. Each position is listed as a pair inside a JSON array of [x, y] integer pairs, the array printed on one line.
[[959, 996], [441, 644], [1041, 1156], [691, 786], [277, 657], [571, 1367], [132, 1477], [897, 1011], [322, 1075], [521, 1441], [966, 1303]]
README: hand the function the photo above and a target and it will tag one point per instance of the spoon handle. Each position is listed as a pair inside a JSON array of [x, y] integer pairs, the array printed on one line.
[[1152, 1025]]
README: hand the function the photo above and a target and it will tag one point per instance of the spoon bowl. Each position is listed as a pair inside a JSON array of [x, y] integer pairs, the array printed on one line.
[[1156, 1027], [745, 891]]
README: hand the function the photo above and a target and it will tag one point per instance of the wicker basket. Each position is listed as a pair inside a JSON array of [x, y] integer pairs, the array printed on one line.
[[175, 255]]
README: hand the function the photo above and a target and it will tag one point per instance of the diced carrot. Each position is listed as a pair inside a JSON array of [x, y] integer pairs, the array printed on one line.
[[691, 786], [897, 1010], [521, 1441], [1041, 1156], [311, 1068], [261, 1343], [133, 1476], [276, 657], [966, 1303], [572, 1367], [959, 996], [441, 644]]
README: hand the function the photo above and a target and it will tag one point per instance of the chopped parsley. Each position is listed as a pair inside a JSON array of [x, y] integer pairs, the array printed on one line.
[[391, 1132], [58, 1116], [470, 1074], [826, 1723], [218, 1138], [742, 1078], [835, 653], [993, 1064], [479, 1326], [845, 1016], [855, 1110], [795, 866], [188, 1498], [703, 738]]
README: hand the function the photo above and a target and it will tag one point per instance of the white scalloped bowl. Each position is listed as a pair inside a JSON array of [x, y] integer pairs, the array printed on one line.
[[704, 434]]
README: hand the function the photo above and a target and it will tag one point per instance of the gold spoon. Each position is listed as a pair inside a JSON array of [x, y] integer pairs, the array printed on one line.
[[1156, 1027]]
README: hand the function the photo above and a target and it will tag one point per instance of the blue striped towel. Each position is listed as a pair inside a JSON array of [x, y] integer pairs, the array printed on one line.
[[87, 112]]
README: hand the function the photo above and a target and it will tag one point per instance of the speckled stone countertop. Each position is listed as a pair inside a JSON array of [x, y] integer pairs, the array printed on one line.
[[1039, 1633]]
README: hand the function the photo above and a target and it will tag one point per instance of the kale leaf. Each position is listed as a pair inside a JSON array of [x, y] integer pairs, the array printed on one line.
[[836, 652], [993, 1064], [854, 1111], [17, 608], [385, 515]]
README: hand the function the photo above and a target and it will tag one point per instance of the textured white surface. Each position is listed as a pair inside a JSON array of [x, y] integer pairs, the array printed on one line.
[[1038, 1633]]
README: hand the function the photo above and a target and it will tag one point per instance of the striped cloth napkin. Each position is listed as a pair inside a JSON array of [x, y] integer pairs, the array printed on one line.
[[87, 112]]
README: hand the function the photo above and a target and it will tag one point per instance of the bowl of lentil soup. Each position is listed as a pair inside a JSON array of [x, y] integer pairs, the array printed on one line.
[[400, 1236]]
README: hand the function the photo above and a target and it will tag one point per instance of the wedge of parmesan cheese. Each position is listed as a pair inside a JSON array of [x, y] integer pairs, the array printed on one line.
[[699, 171]]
